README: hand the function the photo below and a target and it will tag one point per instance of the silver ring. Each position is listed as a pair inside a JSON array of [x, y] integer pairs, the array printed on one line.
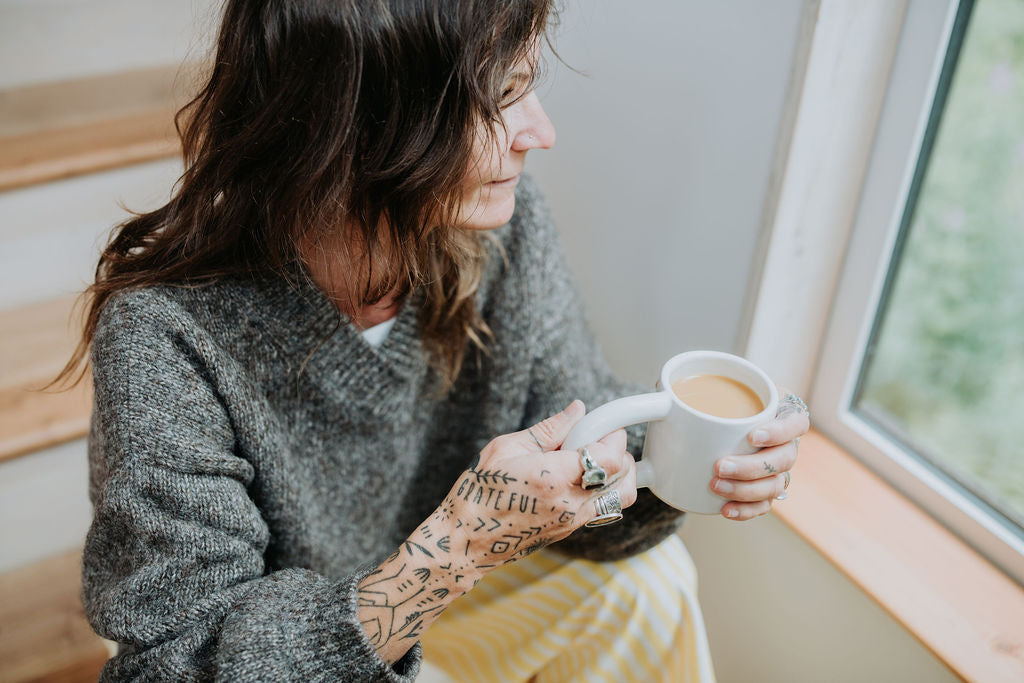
[[785, 485], [594, 475], [609, 509], [798, 403], [535, 440]]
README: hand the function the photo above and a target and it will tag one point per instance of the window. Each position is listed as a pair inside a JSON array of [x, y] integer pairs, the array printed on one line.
[[944, 372], [922, 368]]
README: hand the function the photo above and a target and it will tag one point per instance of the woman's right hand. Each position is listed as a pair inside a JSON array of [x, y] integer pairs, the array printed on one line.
[[524, 493]]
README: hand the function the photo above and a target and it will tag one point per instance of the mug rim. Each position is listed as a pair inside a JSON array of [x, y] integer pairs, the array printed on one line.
[[765, 414]]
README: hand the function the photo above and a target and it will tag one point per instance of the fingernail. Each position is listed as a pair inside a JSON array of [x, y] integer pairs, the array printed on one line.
[[727, 467], [760, 436], [732, 512], [723, 486], [573, 407]]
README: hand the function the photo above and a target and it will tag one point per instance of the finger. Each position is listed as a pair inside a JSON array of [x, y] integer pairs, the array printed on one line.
[[625, 486], [549, 433], [616, 440], [740, 512], [565, 466], [611, 458], [764, 463], [626, 482], [750, 491], [790, 423]]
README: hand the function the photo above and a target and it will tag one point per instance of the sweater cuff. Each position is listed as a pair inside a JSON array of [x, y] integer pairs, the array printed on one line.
[[336, 642]]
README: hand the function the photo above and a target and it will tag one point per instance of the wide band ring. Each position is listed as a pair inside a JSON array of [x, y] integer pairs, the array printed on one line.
[[798, 403], [594, 476], [609, 509]]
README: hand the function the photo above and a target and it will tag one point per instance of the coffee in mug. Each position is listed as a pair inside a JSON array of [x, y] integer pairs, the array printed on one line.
[[718, 395]]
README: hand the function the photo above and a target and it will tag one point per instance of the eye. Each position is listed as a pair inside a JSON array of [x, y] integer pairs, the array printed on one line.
[[514, 88]]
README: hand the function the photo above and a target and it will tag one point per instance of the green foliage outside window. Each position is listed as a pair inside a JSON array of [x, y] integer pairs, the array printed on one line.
[[947, 369]]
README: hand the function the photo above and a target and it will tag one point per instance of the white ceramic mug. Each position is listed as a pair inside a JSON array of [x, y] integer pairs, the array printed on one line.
[[683, 444]]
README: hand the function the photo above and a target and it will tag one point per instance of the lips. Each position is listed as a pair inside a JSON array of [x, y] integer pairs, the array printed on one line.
[[507, 182]]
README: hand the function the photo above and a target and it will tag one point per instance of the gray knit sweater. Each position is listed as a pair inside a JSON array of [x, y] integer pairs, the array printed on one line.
[[251, 459]]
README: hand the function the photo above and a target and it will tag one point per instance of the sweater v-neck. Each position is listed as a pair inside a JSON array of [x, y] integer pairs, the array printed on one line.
[[314, 335]]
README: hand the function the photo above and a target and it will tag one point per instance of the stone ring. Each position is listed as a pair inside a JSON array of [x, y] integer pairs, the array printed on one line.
[[594, 475]]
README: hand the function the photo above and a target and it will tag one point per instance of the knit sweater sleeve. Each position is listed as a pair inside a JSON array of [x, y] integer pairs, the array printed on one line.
[[173, 568], [568, 364]]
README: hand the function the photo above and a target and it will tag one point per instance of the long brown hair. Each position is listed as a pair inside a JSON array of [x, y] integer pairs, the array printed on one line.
[[328, 117]]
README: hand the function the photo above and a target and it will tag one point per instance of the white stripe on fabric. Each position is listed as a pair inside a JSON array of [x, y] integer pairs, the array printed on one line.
[[608, 579], [620, 596]]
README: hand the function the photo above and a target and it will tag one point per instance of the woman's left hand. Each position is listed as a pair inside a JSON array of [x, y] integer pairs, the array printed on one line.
[[752, 482]]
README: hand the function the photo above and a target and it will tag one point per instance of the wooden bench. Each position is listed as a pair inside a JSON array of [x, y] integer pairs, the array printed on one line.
[[44, 635], [58, 130], [50, 132], [35, 342]]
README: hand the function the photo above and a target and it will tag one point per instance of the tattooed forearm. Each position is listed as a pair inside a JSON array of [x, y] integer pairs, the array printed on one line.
[[402, 597], [489, 518]]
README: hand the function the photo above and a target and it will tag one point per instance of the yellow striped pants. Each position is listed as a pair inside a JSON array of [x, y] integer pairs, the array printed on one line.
[[550, 618]]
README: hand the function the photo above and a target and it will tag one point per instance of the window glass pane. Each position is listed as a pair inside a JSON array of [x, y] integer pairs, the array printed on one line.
[[945, 368]]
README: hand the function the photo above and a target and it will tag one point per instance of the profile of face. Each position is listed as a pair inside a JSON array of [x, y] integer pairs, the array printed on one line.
[[488, 188]]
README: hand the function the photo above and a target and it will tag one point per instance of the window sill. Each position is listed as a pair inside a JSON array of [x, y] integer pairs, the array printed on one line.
[[967, 612]]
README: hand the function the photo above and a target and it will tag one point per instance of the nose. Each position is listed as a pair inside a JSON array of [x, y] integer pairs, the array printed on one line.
[[533, 129]]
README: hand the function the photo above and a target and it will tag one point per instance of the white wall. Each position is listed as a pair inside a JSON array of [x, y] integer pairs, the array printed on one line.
[[54, 40], [657, 180], [662, 161]]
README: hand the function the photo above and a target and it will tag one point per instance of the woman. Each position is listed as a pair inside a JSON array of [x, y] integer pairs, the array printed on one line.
[[330, 373]]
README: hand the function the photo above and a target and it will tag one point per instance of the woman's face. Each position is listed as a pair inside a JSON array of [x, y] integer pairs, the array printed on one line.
[[488, 194]]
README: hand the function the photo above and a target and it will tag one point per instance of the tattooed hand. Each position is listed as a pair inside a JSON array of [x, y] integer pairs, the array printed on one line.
[[522, 495]]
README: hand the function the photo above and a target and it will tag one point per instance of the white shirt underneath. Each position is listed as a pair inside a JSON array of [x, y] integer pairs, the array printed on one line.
[[378, 333]]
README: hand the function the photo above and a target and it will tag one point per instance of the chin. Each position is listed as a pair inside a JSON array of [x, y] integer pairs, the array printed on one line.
[[491, 217]]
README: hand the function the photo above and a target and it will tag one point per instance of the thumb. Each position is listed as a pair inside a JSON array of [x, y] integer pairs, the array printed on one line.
[[551, 432]]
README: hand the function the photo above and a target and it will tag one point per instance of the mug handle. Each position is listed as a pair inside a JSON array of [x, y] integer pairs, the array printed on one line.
[[622, 412]]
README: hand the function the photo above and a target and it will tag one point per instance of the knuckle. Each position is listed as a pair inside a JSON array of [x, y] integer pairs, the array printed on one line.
[[545, 429], [502, 442]]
